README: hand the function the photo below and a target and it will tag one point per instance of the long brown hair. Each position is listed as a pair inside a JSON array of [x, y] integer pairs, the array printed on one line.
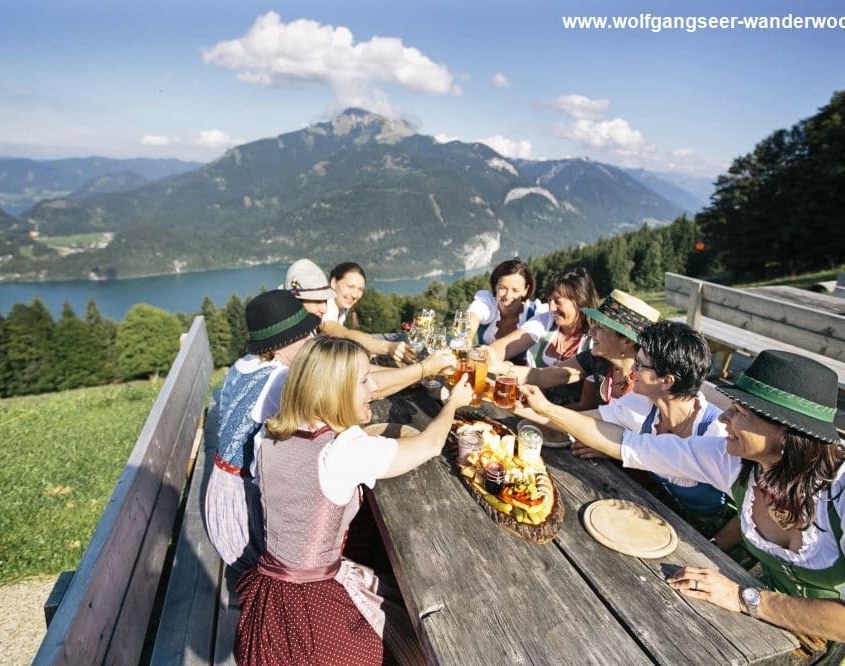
[[576, 285], [807, 468]]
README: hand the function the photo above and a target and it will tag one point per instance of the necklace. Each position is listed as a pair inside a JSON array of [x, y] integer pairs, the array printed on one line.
[[780, 516], [565, 344]]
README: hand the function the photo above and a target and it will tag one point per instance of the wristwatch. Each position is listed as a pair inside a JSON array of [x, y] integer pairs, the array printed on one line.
[[750, 598]]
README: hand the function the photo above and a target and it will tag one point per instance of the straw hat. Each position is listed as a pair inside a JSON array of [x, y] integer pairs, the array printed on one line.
[[790, 389], [276, 319], [307, 281], [625, 314]]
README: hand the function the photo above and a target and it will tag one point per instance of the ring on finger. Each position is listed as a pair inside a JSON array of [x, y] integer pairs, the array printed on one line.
[[695, 585]]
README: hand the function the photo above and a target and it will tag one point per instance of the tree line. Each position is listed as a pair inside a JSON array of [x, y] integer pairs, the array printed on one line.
[[778, 210], [38, 354]]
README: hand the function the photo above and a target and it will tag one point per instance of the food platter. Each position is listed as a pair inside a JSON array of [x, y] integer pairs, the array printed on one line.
[[629, 528], [528, 503]]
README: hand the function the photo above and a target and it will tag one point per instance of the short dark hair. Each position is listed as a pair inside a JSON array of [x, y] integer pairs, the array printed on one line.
[[677, 349], [514, 266]]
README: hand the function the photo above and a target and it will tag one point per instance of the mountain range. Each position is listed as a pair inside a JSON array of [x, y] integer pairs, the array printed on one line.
[[361, 187]]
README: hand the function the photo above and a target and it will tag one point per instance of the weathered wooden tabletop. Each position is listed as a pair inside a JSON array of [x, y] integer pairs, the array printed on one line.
[[481, 595]]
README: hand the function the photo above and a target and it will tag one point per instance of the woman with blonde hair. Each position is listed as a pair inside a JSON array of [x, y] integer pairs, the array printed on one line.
[[304, 602]]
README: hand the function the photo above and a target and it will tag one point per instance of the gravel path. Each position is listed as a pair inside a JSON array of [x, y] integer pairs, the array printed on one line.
[[22, 625]]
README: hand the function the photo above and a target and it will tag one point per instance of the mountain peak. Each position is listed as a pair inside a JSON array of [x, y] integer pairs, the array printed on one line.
[[387, 130]]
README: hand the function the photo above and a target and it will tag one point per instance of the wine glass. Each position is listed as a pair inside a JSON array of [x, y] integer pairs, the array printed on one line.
[[417, 338], [436, 340], [460, 325], [425, 319]]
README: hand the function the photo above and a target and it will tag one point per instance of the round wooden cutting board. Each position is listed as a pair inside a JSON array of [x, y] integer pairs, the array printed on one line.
[[629, 528]]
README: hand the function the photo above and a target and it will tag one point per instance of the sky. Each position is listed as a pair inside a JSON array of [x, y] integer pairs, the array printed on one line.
[[189, 79]]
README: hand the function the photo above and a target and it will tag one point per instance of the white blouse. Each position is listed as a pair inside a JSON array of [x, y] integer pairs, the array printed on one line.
[[705, 459], [485, 306], [353, 458]]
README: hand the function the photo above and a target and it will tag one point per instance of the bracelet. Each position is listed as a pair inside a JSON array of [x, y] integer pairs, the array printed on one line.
[[422, 371]]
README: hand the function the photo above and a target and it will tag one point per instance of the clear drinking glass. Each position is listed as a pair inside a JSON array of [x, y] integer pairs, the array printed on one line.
[[460, 325]]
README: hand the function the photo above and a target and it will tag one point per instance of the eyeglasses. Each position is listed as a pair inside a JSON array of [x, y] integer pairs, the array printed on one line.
[[642, 366]]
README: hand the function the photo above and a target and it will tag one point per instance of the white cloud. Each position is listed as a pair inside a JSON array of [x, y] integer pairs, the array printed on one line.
[[500, 80], [519, 148], [445, 138], [306, 53], [216, 139], [158, 140], [579, 106], [615, 135]]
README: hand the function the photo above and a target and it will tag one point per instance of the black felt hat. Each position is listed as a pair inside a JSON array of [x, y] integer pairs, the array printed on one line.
[[790, 389], [275, 319]]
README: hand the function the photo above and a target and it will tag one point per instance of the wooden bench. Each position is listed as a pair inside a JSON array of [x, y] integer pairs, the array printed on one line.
[[747, 322], [124, 604]]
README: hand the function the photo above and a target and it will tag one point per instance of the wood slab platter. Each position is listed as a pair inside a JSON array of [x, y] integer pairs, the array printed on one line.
[[629, 528], [543, 532], [392, 430]]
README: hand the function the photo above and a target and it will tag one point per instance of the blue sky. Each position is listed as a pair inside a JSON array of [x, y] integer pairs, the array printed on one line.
[[188, 79]]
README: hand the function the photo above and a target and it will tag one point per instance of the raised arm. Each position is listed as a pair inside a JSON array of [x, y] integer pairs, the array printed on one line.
[[398, 351], [568, 372], [391, 380], [513, 344], [414, 451], [600, 435]]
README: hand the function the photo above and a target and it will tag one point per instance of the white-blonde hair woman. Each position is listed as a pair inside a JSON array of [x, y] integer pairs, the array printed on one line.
[[304, 602]]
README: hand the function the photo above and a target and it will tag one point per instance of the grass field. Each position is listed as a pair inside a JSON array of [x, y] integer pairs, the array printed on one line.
[[61, 457]]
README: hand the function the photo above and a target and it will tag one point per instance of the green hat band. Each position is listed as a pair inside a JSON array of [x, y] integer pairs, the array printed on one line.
[[279, 327], [785, 399]]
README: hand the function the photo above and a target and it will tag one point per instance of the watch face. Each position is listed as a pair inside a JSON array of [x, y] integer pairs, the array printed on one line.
[[751, 597]]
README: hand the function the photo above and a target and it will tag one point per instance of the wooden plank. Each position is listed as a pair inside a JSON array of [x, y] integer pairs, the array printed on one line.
[[453, 562], [805, 297], [654, 612], [808, 328], [227, 620], [481, 595], [187, 626], [751, 344], [84, 624]]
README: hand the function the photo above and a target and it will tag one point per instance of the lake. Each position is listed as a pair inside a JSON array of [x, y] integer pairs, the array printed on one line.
[[176, 293]]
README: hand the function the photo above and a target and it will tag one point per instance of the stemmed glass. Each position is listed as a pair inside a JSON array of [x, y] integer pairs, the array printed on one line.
[[417, 338], [436, 340], [460, 326]]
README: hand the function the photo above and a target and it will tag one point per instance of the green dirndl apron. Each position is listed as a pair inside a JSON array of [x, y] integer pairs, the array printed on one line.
[[558, 395], [797, 581]]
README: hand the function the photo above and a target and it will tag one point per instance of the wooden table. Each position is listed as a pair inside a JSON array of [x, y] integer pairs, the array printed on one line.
[[481, 595]]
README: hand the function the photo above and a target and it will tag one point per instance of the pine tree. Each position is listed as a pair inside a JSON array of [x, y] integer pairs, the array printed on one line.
[[29, 331], [219, 333], [147, 341]]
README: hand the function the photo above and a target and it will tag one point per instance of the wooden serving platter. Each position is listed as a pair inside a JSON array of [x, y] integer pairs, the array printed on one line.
[[543, 532]]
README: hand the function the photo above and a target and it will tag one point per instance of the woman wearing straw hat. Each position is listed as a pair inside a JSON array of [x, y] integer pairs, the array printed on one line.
[[784, 464], [606, 366]]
